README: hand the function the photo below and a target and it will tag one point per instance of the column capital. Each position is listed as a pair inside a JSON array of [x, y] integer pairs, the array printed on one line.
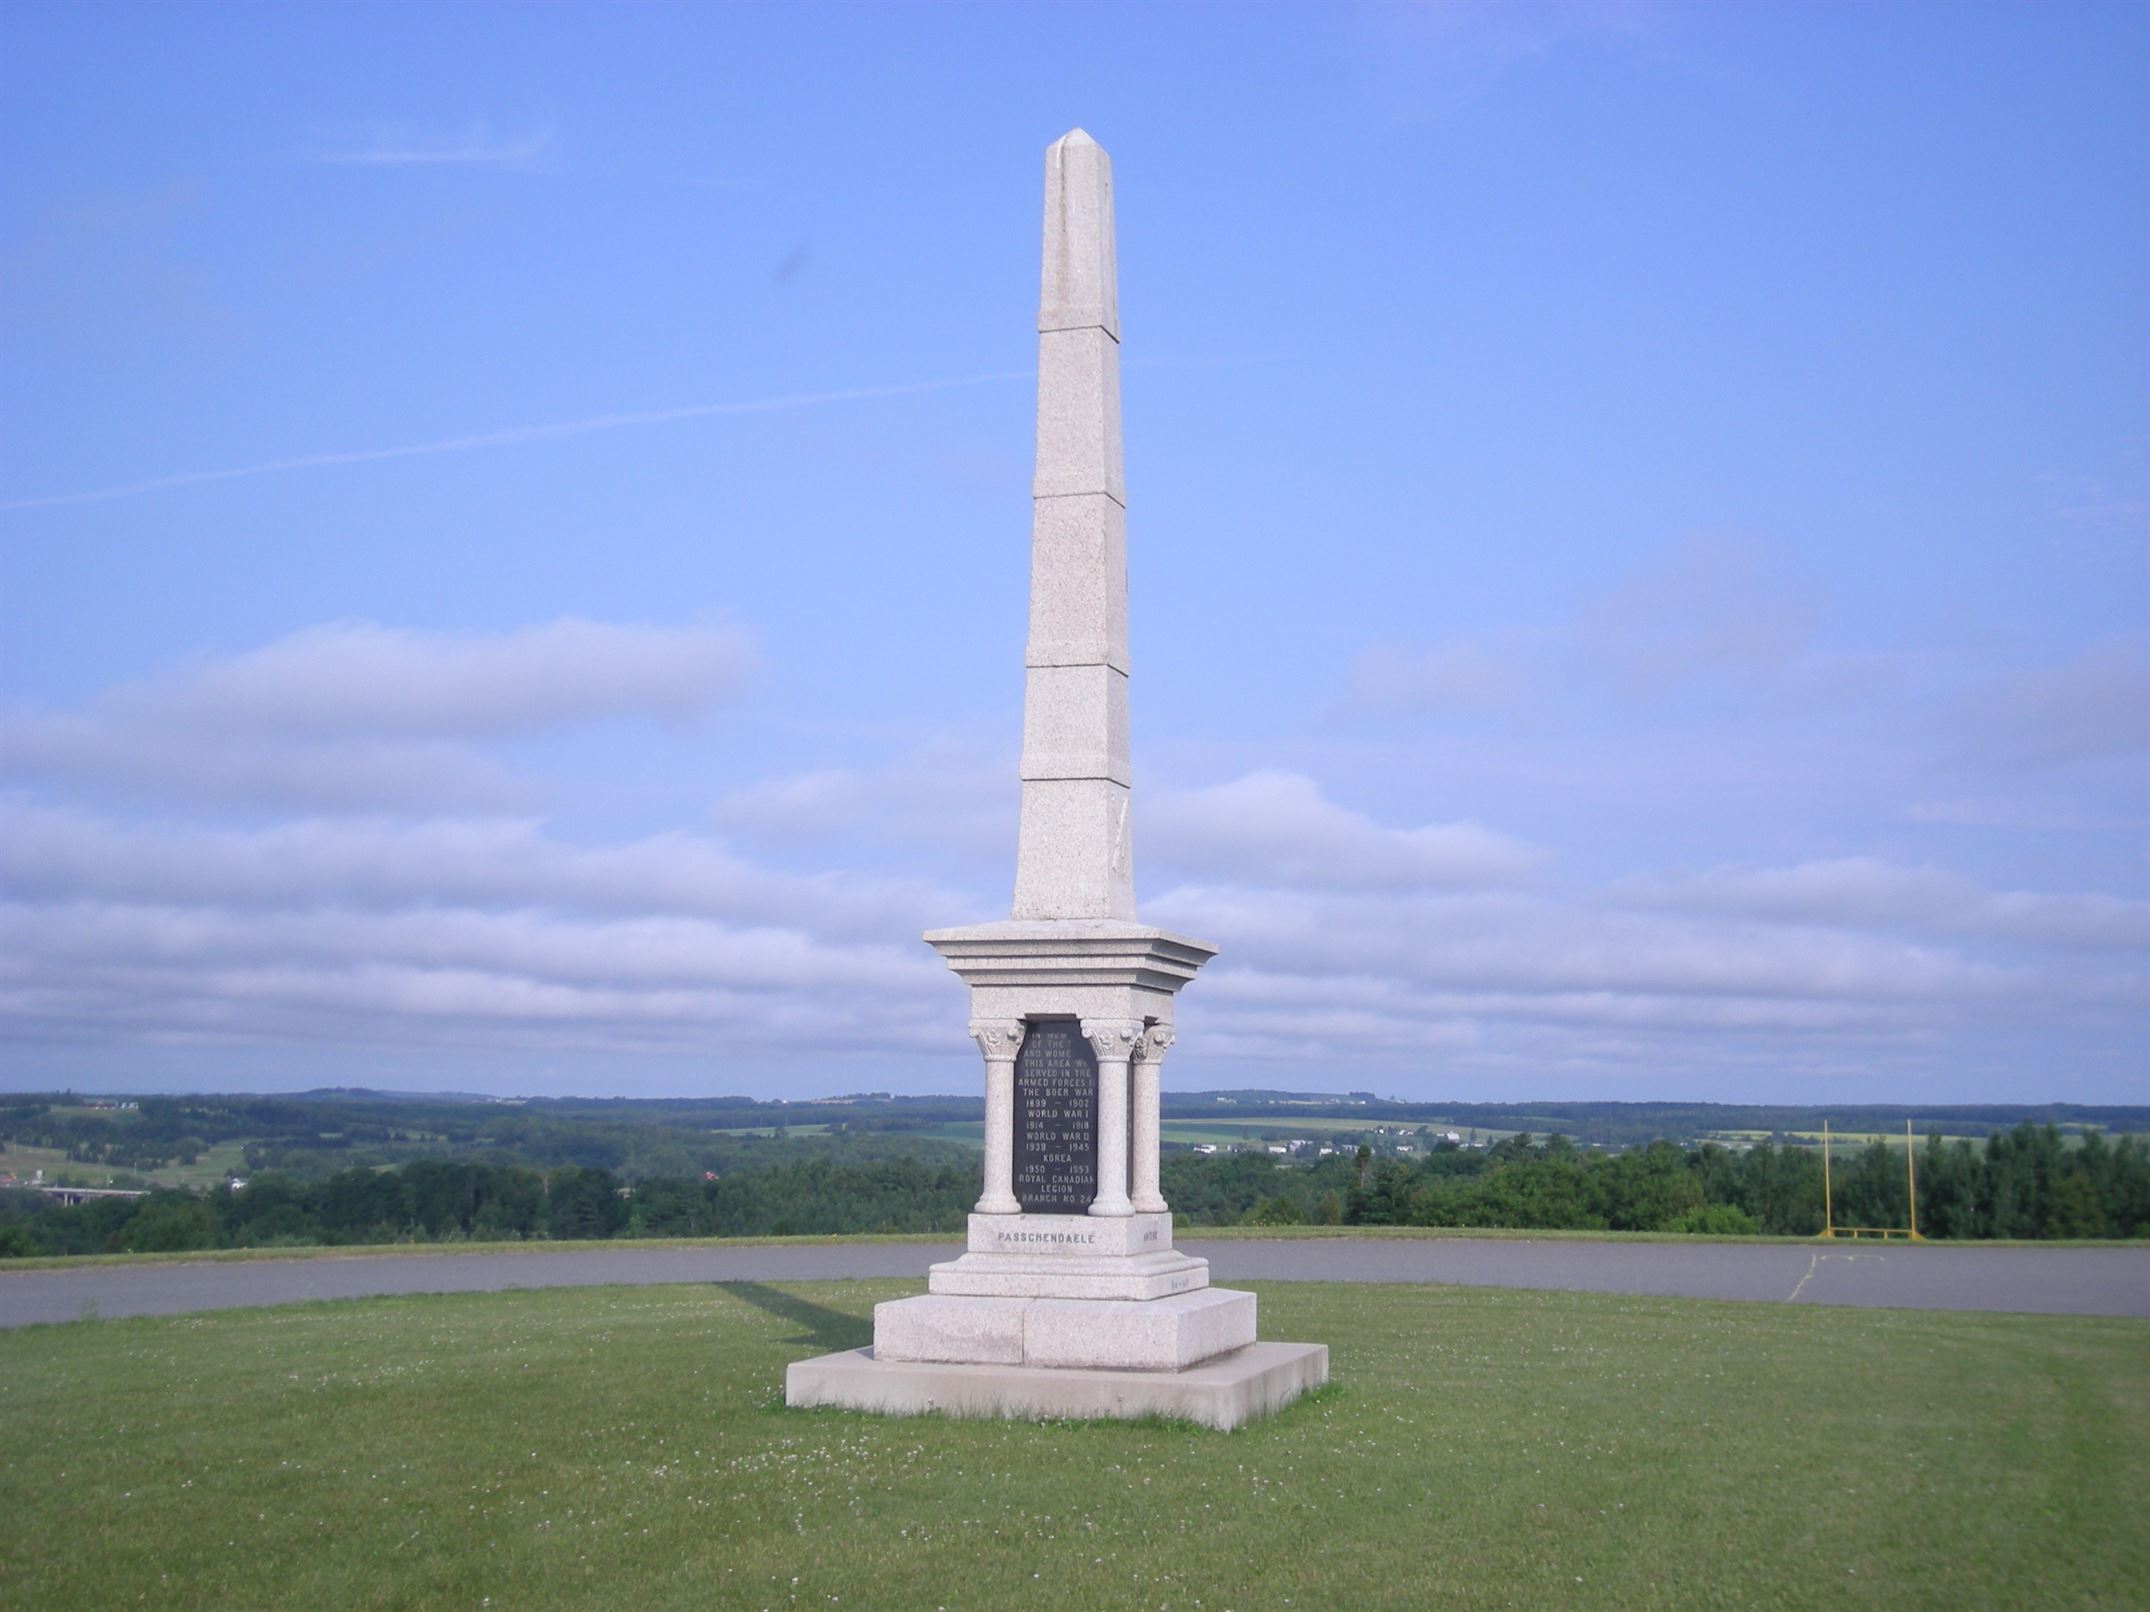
[[1114, 1039], [998, 1038], [1155, 1041]]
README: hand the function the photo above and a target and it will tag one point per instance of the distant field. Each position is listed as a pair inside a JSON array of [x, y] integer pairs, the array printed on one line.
[[971, 1132], [1265, 1131], [769, 1130], [27, 1161], [1234, 1132], [1813, 1139], [627, 1447], [1286, 1125], [220, 1160], [1859, 1139]]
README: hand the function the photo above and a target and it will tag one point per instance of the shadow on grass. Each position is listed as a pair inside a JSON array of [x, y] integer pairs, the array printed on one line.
[[826, 1330]]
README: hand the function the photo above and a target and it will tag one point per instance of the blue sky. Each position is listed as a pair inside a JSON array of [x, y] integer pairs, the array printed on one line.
[[514, 526]]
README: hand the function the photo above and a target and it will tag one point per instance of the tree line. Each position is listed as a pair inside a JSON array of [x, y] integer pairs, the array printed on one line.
[[437, 1201], [2025, 1183]]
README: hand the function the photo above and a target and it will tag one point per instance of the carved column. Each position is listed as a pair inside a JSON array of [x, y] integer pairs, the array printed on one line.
[[1142, 1143], [1115, 1041], [999, 1040]]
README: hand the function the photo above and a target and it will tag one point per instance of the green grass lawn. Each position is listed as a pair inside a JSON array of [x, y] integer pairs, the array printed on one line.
[[627, 1447]]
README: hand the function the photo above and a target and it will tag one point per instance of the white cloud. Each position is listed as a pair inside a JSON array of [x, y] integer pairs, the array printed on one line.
[[363, 715], [940, 794], [360, 678], [1544, 943], [1354, 952], [1688, 616], [495, 938], [2093, 707], [480, 934], [486, 863], [1465, 674], [174, 764], [1866, 892], [1707, 606], [1565, 991], [1278, 829]]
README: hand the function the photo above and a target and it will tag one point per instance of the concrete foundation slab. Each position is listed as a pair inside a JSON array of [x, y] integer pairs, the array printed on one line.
[[1223, 1393]]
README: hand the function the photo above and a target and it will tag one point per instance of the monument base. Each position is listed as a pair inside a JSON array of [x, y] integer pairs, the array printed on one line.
[[1067, 1315], [1166, 1334], [1222, 1393], [1136, 1277], [1048, 1256]]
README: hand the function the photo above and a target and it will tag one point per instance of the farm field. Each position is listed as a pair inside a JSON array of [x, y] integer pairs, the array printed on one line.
[[769, 1130], [21, 1160], [1847, 1142], [1241, 1132], [612, 1446], [220, 1160]]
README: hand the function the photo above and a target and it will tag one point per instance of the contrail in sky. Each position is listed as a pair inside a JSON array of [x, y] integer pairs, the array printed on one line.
[[510, 436]]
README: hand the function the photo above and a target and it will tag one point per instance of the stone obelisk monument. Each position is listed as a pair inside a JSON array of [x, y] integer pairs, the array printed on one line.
[[1071, 1300]]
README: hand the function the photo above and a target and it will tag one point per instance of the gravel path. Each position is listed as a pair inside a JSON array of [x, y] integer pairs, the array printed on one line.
[[2051, 1281]]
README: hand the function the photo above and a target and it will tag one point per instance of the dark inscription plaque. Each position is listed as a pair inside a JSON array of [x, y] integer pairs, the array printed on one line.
[[1055, 1119]]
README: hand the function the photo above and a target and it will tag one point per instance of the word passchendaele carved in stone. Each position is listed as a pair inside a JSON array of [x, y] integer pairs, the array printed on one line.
[[1070, 1299]]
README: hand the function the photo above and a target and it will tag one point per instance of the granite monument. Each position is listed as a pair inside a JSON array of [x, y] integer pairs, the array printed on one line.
[[1070, 1299]]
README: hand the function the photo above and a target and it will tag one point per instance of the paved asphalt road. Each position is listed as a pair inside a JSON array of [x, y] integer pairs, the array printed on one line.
[[2051, 1281]]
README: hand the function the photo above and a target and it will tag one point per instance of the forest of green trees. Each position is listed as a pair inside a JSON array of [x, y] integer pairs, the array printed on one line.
[[2026, 1183]]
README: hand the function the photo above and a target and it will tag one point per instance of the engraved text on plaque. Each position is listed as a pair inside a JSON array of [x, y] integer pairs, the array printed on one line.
[[1055, 1119]]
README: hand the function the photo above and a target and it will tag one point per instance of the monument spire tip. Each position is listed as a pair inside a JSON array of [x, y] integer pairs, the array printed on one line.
[[1075, 137]]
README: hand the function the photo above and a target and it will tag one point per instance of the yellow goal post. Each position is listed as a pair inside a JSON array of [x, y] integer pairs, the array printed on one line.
[[1910, 1233]]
